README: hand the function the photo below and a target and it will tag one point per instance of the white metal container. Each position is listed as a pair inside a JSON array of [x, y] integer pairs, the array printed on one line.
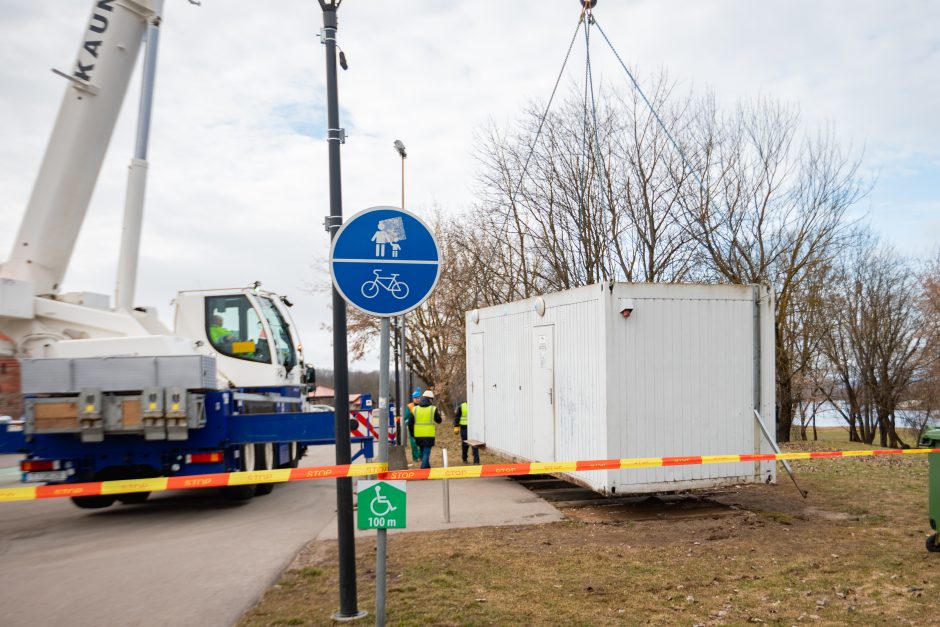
[[624, 370]]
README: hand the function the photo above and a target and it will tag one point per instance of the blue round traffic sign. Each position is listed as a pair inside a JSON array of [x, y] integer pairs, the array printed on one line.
[[385, 261]]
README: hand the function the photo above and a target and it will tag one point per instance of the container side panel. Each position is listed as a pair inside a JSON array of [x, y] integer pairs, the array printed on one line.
[[686, 367], [507, 375], [476, 387], [580, 411], [768, 379], [543, 395]]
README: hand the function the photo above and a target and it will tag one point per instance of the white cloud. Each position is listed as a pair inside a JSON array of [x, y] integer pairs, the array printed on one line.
[[238, 179]]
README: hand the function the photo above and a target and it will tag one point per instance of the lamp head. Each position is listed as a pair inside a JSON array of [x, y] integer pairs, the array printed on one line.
[[400, 147]]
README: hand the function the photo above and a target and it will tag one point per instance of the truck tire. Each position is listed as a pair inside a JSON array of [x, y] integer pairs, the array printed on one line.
[[132, 498], [293, 455], [94, 502], [248, 464], [237, 492], [264, 454]]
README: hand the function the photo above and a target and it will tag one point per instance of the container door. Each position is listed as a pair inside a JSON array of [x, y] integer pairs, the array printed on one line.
[[476, 392], [543, 392]]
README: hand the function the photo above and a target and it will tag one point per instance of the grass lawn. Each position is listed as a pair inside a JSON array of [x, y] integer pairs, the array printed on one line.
[[853, 552]]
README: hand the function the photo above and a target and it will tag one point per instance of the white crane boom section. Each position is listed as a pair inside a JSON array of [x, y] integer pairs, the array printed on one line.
[[72, 161]]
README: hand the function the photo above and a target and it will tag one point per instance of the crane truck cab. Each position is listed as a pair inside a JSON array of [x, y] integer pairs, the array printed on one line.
[[248, 331]]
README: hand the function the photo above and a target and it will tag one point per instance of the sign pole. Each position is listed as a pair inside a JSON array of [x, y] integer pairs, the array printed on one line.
[[403, 389], [381, 538], [385, 261], [397, 389], [344, 499]]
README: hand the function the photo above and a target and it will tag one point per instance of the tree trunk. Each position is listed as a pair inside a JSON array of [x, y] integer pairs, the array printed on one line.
[[883, 429], [785, 407], [784, 388], [853, 429]]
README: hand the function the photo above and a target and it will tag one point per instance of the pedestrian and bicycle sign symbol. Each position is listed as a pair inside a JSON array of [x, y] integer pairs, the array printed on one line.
[[385, 261], [398, 289], [381, 505]]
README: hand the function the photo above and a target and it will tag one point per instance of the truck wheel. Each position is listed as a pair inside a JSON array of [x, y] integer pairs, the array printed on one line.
[[264, 453], [248, 464], [248, 458], [133, 498], [932, 543], [94, 502], [293, 456], [237, 492]]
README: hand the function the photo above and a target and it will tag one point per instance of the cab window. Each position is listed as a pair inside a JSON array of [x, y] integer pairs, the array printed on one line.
[[234, 328], [283, 346]]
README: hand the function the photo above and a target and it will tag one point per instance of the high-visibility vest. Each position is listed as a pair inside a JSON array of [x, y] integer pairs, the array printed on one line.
[[464, 414], [424, 421], [217, 333]]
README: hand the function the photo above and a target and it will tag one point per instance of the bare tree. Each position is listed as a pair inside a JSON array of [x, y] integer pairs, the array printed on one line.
[[845, 346], [808, 323], [877, 338], [771, 207], [587, 195], [925, 390]]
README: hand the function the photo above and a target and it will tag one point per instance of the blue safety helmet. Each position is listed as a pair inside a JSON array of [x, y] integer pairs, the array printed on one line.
[[416, 393]]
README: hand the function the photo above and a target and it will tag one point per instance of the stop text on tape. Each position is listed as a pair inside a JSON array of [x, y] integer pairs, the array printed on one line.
[[380, 470]]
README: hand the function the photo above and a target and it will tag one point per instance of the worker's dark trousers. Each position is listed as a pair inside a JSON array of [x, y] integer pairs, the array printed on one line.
[[415, 449], [464, 446]]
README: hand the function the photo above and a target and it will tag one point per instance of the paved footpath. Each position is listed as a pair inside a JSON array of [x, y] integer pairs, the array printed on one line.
[[486, 502]]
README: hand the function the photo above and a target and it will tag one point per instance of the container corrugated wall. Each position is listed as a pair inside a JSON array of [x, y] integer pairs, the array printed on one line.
[[506, 362], [580, 379], [685, 362]]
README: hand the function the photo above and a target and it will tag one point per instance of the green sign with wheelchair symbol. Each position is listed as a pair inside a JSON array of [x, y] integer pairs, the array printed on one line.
[[381, 505]]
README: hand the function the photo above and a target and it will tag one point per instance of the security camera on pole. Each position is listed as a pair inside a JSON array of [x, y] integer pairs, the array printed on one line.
[[385, 261]]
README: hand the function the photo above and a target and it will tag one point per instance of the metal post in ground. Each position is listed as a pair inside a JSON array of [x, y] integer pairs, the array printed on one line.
[[398, 395], [381, 540], [335, 136], [405, 386], [446, 491]]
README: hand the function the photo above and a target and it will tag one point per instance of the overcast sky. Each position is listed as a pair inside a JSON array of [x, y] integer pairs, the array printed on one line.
[[238, 183]]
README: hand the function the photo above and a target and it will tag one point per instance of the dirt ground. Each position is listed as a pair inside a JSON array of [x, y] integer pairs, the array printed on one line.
[[852, 552]]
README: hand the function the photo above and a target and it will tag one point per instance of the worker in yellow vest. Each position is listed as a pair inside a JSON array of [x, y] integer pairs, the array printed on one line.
[[421, 425], [221, 337], [461, 421], [408, 416]]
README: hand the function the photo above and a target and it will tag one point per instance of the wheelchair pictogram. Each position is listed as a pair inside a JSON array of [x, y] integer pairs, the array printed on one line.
[[380, 505], [398, 289], [382, 511]]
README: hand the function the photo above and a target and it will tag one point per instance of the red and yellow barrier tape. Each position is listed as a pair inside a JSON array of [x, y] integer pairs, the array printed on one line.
[[454, 472]]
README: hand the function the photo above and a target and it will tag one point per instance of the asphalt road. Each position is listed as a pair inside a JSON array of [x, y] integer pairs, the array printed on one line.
[[181, 558]]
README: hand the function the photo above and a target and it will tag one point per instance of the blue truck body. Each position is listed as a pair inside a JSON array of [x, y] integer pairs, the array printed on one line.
[[229, 426]]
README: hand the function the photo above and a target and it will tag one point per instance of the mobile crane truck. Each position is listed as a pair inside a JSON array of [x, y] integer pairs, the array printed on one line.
[[112, 393]]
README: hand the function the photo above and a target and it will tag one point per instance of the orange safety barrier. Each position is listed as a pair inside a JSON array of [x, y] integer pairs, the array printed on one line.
[[380, 471]]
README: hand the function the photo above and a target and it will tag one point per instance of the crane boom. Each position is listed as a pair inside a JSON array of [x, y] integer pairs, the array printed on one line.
[[72, 161]]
